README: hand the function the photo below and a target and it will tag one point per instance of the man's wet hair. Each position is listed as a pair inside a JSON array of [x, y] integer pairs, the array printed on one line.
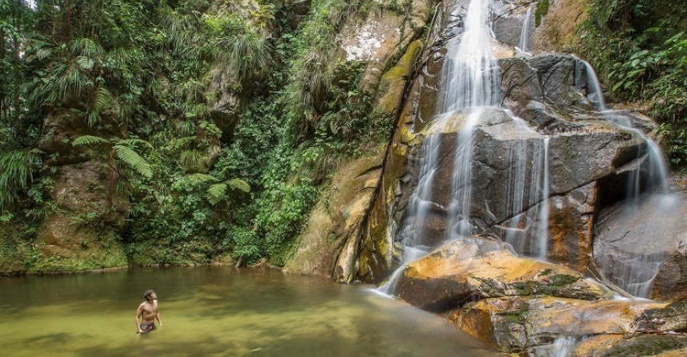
[[147, 293]]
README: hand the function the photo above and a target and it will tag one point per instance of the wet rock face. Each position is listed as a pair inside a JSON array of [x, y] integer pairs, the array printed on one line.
[[553, 96], [508, 154], [542, 88], [477, 268], [517, 304], [533, 326], [520, 305], [330, 242], [646, 243]]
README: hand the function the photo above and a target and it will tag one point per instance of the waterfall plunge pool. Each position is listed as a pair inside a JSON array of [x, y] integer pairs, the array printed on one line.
[[216, 311]]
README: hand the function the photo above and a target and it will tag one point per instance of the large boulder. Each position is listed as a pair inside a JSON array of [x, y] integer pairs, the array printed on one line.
[[533, 325], [525, 306], [477, 267], [645, 243]]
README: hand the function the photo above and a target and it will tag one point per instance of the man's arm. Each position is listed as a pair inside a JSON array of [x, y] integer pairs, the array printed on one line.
[[137, 318]]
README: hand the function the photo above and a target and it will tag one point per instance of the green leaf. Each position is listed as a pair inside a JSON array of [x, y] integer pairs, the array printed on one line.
[[197, 178], [89, 140], [134, 160], [238, 184], [85, 62], [216, 193]]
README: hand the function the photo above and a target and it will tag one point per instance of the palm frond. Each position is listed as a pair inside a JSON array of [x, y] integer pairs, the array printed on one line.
[[16, 172], [86, 47]]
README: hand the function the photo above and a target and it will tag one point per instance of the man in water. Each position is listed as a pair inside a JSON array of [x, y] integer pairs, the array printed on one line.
[[147, 313]]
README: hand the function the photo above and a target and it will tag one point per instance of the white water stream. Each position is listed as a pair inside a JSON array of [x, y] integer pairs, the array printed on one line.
[[471, 83], [635, 273], [525, 32]]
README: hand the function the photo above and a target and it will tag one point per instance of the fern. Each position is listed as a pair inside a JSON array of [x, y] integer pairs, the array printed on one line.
[[134, 160], [89, 140], [238, 184], [216, 193], [197, 179], [135, 142], [16, 172]]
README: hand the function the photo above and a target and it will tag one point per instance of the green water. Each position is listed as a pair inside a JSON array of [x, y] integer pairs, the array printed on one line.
[[215, 311]]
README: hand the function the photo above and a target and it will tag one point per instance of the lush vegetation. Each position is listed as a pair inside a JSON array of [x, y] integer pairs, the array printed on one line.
[[639, 48], [217, 124]]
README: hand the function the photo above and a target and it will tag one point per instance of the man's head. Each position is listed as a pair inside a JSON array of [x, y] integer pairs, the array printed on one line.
[[149, 294]]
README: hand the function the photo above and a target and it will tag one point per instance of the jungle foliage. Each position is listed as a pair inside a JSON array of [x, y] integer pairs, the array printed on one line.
[[135, 81], [639, 47]]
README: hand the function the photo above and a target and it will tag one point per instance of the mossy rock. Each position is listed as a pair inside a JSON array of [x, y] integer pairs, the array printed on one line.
[[646, 345]]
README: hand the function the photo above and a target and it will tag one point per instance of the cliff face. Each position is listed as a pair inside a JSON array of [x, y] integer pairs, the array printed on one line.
[[388, 45], [558, 30], [589, 156]]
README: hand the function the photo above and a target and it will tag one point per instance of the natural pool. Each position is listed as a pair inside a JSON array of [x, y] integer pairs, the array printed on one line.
[[215, 311]]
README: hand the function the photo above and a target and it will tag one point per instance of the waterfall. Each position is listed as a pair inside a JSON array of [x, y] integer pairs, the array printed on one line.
[[596, 96], [461, 180], [542, 234], [470, 70], [655, 165], [562, 346], [528, 233], [525, 32], [471, 83], [635, 273]]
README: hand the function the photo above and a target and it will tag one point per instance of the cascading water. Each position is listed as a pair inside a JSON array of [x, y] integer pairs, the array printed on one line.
[[635, 273], [471, 84], [656, 168], [471, 72], [543, 228], [525, 32], [528, 185], [562, 346], [596, 94]]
